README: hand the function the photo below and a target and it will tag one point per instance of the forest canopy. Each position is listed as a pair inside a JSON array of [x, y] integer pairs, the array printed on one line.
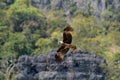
[[27, 30]]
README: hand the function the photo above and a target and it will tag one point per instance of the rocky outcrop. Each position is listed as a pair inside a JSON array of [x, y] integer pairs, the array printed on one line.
[[9, 2], [98, 5], [77, 65]]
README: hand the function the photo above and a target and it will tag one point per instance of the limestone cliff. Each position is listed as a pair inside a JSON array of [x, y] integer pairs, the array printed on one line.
[[98, 5], [77, 65]]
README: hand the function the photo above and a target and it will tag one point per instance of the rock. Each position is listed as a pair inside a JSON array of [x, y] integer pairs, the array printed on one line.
[[9, 2], [24, 77], [39, 59], [98, 6], [77, 65]]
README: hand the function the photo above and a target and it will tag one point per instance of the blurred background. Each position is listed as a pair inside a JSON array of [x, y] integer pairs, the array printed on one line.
[[33, 27]]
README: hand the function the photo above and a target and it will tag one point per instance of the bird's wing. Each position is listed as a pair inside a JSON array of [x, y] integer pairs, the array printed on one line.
[[60, 48]]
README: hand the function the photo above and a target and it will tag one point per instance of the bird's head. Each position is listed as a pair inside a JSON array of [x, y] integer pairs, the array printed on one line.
[[68, 29]]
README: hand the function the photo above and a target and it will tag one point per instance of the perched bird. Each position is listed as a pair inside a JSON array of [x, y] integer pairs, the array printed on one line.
[[65, 44]]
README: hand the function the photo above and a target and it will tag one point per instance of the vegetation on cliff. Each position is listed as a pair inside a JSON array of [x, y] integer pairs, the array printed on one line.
[[25, 29]]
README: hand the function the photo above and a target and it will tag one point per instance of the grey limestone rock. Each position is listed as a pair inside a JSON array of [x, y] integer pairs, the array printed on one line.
[[77, 65], [98, 6]]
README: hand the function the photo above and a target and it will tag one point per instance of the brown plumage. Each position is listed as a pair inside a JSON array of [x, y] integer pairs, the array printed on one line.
[[65, 45]]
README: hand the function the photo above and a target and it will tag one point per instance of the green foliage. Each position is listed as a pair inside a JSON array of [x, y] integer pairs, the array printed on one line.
[[2, 5], [87, 10], [117, 65], [16, 45], [25, 30], [56, 24], [90, 36], [18, 14], [43, 45], [113, 67]]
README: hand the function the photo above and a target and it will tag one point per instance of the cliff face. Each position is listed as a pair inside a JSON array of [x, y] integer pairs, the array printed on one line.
[[77, 65], [98, 5]]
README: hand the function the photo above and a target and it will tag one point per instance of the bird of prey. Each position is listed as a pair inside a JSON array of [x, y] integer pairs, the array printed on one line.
[[65, 44]]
